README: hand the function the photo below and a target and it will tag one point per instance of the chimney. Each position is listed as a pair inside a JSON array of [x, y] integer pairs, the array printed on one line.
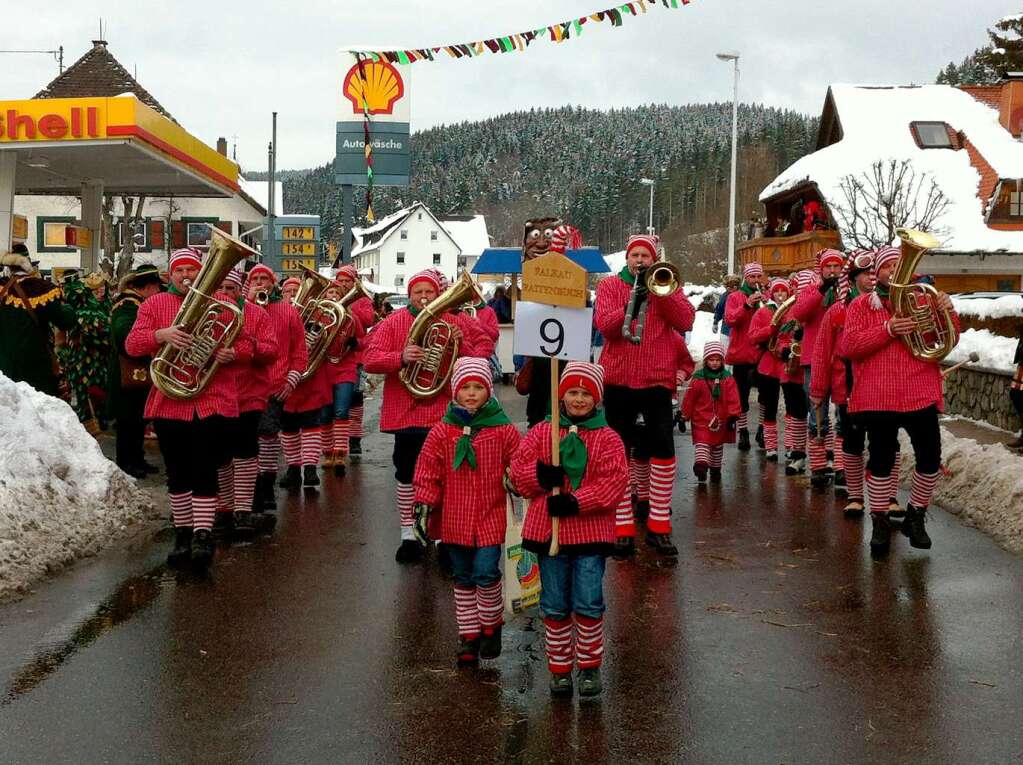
[[222, 146], [1010, 108]]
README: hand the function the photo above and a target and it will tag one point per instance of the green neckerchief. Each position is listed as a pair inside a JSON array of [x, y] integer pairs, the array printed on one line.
[[709, 374], [488, 416], [853, 294], [626, 276], [172, 289], [882, 291], [829, 297], [746, 289], [572, 450], [413, 310]]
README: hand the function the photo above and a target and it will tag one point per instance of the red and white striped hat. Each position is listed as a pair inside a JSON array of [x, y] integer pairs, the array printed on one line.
[[291, 280], [803, 279], [261, 268], [885, 255], [470, 368], [348, 271], [646, 241], [582, 374], [830, 257], [565, 238], [752, 269], [234, 276], [429, 275], [186, 256], [713, 348], [777, 283]]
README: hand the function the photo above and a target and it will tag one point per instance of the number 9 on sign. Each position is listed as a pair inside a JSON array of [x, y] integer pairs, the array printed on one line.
[[545, 330]]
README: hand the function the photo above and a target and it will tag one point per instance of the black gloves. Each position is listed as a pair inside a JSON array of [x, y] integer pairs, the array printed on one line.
[[731, 422], [549, 476], [798, 335], [827, 284], [352, 344], [562, 505], [785, 353]]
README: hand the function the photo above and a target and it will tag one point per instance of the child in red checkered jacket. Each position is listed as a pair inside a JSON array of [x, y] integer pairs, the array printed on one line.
[[592, 478], [462, 467], [712, 405]]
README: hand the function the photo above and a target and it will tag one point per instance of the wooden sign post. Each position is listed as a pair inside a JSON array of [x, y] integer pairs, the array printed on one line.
[[553, 301]]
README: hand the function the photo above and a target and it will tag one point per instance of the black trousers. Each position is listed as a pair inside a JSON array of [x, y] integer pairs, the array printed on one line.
[[795, 400], [407, 445], [1016, 397], [292, 422], [191, 452], [243, 442], [852, 433], [768, 392], [131, 427], [270, 418], [624, 405], [743, 374], [882, 429]]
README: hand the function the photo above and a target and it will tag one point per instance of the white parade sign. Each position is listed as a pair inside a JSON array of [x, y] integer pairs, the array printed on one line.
[[552, 331]]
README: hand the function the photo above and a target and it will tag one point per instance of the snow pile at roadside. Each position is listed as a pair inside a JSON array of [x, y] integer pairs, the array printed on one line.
[[984, 489], [1006, 306], [996, 352], [60, 498]]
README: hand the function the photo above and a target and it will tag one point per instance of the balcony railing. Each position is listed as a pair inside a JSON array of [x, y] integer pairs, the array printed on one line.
[[785, 254]]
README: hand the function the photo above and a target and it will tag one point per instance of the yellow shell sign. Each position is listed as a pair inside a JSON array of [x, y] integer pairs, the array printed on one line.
[[377, 82]]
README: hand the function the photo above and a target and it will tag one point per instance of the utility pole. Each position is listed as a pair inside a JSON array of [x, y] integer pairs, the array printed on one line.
[[270, 254], [732, 56]]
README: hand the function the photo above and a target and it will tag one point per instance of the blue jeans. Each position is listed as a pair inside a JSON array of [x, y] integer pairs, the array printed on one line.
[[811, 418], [475, 566], [342, 405], [572, 584]]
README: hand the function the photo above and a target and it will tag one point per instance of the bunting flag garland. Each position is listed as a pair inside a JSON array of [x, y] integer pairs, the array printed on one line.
[[519, 41], [366, 139]]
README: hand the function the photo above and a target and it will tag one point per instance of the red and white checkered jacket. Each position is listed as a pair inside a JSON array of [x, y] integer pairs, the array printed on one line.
[[700, 407], [253, 379], [827, 367], [886, 376], [809, 311], [684, 363], [487, 319], [384, 346], [770, 364], [603, 484], [473, 501], [650, 363], [220, 397], [291, 351], [347, 368], [738, 316]]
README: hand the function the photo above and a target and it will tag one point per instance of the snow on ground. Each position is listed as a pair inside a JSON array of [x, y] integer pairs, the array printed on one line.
[[1006, 306], [60, 498], [996, 352], [985, 488]]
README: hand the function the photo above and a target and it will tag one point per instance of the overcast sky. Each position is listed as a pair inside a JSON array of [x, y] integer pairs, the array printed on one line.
[[221, 67]]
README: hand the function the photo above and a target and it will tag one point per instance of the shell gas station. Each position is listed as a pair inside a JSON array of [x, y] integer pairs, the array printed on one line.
[[88, 147]]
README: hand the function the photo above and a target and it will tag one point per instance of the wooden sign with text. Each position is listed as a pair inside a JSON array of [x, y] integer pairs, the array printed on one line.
[[553, 279]]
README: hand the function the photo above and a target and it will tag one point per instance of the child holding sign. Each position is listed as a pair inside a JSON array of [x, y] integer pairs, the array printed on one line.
[[462, 467], [591, 478]]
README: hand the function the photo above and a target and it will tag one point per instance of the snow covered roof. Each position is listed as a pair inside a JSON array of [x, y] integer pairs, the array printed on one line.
[[371, 237], [875, 126], [469, 233], [258, 190]]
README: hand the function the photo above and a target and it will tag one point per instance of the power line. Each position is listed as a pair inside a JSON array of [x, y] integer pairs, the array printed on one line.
[[58, 55]]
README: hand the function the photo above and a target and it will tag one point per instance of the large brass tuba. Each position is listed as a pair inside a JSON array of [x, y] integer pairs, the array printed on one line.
[[430, 332], [935, 335], [777, 321], [184, 373], [347, 322], [661, 279], [322, 318]]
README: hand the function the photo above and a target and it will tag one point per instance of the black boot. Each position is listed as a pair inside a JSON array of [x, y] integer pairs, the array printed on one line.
[[625, 547], [268, 497], [715, 475], [409, 551], [662, 544], [202, 549], [444, 562], [311, 479], [700, 471], [245, 526], [760, 442], [223, 525], [743, 445], [641, 509], [820, 479], [561, 685], [913, 527], [265, 522], [182, 552], [490, 643], [881, 536], [292, 478], [853, 508], [355, 446], [895, 511], [468, 652], [589, 682], [840, 487]]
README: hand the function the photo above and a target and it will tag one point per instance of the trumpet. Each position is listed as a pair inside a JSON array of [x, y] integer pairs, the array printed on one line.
[[261, 298], [661, 279]]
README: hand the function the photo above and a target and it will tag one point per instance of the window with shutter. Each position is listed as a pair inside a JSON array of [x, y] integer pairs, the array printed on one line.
[[156, 234], [179, 234]]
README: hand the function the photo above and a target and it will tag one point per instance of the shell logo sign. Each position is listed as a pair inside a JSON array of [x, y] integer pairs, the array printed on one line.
[[378, 82]]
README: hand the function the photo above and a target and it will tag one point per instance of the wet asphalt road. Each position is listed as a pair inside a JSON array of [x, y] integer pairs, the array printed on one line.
[[775, 640]]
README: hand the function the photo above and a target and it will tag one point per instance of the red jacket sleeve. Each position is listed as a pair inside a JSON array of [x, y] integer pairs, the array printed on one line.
[[608, 311], [807, 305], [760, 329], [298, 354], [523, 463], [737, 313], [730, 390], [141, 340], [475, 341], [428, 480], [823, 352], [606, 475], [383, 348], [488, 321], [690, 401], [685, 359], [864, 335], [676, 310]]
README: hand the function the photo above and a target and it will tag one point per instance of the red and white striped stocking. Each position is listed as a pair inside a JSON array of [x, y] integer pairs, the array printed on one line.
[[839, 454], [589, 641], [490, 603], [341, 428], [326, 438], [356, 414], [716, 452], [893, 484], [203, 511], [269, 454], [854, 475], [743, 421], [311, 440], [466, 612], [662, 483], [225, 488], [771, 436], [829, 441], [799, 434], [558, 643], [405, 498], [818, 455], [245, 471], [625, 523], [181, 509], [789, 432], [292, 445], [702, 453], [922, 489], [877, 494]]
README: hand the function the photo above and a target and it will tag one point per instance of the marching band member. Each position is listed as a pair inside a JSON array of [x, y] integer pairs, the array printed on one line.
[[894, 389], [809, 310], [289, 288], [712, 405], [283, 375], [463, 464], [640, 379], [240, 462], [831, 375], [189, 431], [743, 354], [407, 417], [592, 477]]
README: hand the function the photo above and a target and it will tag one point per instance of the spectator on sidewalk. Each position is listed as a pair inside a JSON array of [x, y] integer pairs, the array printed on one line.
[[720, 325], [501, 305]]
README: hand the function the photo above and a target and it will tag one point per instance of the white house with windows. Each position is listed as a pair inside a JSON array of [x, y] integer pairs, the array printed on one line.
[[169, 223], [404, 243]]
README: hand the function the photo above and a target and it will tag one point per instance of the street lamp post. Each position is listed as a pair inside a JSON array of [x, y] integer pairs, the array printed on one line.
[[732, 56], [650, 182]]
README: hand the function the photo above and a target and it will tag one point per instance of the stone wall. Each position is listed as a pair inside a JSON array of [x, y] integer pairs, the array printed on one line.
[[981, 394]]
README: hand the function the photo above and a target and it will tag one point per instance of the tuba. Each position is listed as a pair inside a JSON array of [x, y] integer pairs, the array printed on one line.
[[322, 319], [183, 373], [429, 376], [345, 333], [935, 335], [661, 279], [777, 321]]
